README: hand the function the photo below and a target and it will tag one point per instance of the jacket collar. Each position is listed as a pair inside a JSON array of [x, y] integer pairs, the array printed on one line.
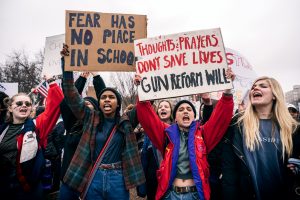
[[173, 131]]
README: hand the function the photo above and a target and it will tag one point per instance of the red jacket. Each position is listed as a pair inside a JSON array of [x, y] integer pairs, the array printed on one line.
[[33, 136], [201, 140]]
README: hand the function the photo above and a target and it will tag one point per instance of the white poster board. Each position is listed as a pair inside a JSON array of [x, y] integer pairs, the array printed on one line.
[[52, 63], [245, 75], [181, 64], [9, 88]]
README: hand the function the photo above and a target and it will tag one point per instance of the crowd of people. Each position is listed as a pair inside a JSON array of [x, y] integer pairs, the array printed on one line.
[[97, 151]]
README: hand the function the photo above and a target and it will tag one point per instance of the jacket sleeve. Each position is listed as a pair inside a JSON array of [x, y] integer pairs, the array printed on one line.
[[132, 117], [72, 97], [58, 136], [46, 121], [207, 111], [80, 83], [230, 183], [153, 126], [99, 84], [215, 127]]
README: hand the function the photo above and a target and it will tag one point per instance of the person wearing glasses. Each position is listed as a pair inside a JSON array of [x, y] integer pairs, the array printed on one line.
[[21, 143]]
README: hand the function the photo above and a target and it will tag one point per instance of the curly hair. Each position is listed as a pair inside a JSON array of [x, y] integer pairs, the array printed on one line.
[[3, 106]]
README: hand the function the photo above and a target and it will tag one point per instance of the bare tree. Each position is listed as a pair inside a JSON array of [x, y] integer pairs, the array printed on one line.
[[123, 81], [19, 69]]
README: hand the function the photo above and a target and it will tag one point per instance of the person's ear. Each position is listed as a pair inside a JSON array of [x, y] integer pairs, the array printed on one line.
[[9, 108]]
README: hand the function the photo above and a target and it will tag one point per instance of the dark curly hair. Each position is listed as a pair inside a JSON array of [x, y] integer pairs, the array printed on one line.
[[3, 107]]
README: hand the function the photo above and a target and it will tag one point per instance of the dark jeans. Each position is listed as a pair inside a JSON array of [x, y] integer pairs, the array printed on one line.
[[171, 195], [108, 184], [67, 193]]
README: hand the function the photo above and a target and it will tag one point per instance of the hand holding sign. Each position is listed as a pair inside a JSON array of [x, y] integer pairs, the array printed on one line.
[[85, 74], [181, 64], [229, 75], [65, 51], [137, 79], [102, 41]]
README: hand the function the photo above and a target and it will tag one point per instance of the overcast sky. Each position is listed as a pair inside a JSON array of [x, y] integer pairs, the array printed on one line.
[[266, 32]]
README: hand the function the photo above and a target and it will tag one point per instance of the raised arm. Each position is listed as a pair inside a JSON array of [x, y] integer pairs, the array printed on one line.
[[153, 126], [81, 81], [72, 97], [215, 127], [207, 107], [149, 120], [98, 83], [46, 121], [131, 115]]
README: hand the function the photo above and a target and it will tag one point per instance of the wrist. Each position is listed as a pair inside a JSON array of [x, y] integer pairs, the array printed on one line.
[[207, 101], [229, 91]]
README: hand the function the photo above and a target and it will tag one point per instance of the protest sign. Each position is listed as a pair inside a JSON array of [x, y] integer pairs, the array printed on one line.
[[102, 41], [9, 88], [181, 64], [52, 63], [245, 75]]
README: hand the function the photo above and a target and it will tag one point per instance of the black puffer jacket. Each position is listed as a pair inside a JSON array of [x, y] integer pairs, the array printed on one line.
[[236, 181]]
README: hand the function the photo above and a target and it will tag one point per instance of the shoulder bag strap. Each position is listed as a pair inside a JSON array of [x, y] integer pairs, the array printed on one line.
[[97, 163]]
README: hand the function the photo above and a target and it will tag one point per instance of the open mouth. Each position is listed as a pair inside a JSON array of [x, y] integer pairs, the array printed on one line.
[[163, 113], [257, 94], [186, 119], [24, 111], [107, 107]]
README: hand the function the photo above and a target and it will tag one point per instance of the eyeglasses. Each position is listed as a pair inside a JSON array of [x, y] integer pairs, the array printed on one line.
[[20, 103]]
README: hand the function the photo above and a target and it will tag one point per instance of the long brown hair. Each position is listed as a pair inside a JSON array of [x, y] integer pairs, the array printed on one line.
[[171, 107]]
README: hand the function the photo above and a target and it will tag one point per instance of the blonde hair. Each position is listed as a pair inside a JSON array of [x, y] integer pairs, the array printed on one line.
[[9, 101], [280, 115]]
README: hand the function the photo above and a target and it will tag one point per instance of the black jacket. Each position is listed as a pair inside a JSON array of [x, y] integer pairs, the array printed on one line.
[[294, 179], [236, 180]]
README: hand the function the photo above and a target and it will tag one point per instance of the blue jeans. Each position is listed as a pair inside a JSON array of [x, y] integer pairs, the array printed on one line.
[[171, 195], [108, 184], [67, 193]]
